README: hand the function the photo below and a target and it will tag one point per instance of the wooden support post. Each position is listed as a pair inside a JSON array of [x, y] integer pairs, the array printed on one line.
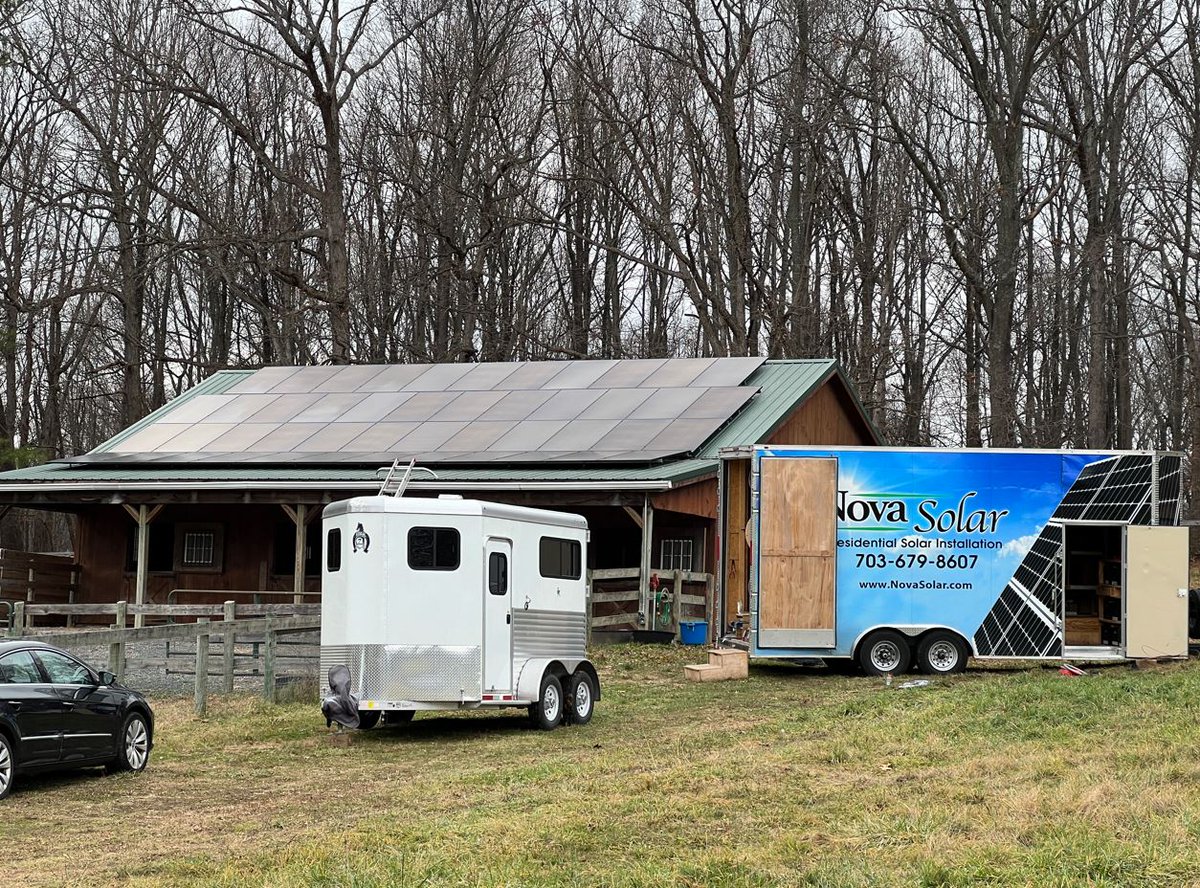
[[709, 610], [29, 592], [269, 664], [201, 701], [116, 650], [229, 639], [300, 518], [143, 516], [18, 619], [676, 602], [73, 582], [645, 597]]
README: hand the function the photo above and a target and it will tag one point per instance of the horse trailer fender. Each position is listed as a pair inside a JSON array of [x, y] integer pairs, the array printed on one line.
[[912, 631], [529, 676]]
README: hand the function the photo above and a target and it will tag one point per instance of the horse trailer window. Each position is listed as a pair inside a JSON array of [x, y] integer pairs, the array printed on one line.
[[433, 548], [498, 573], [333, 550], [560, 559]]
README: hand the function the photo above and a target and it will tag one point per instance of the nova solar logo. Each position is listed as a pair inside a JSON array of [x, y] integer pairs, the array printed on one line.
[[892, 512]]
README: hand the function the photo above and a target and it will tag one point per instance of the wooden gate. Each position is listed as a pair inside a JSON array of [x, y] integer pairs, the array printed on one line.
[[797, 559]]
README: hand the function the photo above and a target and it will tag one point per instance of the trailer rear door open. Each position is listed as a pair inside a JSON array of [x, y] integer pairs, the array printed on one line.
[[1156, 581], [797, 555]]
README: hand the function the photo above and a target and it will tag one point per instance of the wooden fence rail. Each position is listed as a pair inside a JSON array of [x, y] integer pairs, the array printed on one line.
[[671, 584], [270, 626]]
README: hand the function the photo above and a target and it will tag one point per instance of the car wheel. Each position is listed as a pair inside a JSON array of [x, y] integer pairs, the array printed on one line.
[[884, 652], [398, 717], [581, 699], [368, 719], [942, 653], [133, 754], [547, 712], [8, 766]]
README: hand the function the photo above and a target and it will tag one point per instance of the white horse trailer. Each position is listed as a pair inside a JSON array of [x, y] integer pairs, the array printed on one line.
[[442, 604]]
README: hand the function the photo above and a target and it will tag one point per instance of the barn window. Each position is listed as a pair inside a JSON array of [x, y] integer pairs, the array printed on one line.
[[433, 548], [560, 559], [676, 555], [199, 547]]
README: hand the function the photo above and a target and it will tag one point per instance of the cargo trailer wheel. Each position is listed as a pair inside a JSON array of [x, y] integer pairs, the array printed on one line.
[[942, 653], [883, 652], [368, 719], [581, 699], [547, 712]]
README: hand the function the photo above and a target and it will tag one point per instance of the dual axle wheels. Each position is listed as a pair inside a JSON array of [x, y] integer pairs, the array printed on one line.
[[556, 705], [938, 653]]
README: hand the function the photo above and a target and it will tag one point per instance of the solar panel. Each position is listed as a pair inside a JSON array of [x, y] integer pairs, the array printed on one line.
[[482, 377], [579, 374], [395, 378], [439, 377], [629, 410], [626, 374], [265, 379], [727, 371]]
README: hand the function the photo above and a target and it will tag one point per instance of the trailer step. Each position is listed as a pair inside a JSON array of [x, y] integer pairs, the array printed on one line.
[[723, 665]]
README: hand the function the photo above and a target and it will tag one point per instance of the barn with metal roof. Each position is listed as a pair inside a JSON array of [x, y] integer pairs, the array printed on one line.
[[221, 488]]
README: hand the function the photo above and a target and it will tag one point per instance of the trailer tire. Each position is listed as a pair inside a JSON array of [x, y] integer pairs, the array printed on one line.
[[581, 699], [547, 712], [883, 652], [942, 653], [368, 719]]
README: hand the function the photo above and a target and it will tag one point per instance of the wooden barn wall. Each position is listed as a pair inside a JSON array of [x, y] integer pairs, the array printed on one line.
[[827, 417], [699, 499], [249, 537]]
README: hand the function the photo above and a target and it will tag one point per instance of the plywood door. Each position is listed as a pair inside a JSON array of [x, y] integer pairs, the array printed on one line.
[[797, 554], [1156, 579]]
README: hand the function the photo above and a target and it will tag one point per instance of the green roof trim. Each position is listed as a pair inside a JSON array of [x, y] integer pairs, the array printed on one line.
[[783, 386]]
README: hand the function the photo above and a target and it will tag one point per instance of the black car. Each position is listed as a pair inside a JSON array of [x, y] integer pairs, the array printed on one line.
[[55, 712]]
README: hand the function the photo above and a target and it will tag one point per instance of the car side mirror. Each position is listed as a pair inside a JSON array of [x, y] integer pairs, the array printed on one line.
[[107, 678]]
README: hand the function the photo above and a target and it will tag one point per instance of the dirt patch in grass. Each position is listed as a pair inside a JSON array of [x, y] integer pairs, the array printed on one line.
[[1014, 776]]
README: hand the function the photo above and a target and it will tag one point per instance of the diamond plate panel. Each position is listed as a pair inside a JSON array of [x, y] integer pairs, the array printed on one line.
[[418, 673]]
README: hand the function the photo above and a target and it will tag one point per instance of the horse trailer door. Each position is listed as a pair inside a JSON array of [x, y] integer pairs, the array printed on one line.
[[797, 545], [497, 616], [1156, 596]]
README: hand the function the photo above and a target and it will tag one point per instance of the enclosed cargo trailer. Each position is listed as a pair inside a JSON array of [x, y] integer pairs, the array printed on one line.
[[899, 557], [456, 604]]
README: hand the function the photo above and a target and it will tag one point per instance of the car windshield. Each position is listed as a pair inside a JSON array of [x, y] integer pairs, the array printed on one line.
[[19, 668], [64, 670]]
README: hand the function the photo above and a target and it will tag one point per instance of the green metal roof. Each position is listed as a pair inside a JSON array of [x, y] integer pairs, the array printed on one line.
[[782, 385]]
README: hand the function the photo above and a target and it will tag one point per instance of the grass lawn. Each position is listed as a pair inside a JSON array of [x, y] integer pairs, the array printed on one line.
[[1013, 776]]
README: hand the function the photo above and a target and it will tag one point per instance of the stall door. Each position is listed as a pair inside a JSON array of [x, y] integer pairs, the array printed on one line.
[[797, 543], [1156, 602], [497, 616]]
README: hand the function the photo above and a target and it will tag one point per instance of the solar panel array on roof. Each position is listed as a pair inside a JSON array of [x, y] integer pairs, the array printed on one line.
[[1024, 622], [568, 411]]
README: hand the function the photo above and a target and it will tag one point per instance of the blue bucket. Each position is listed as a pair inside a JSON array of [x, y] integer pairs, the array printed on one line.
[[693, 632]]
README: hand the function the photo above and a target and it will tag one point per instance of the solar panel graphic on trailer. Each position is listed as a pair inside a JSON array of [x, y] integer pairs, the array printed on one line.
[[1024, 621]]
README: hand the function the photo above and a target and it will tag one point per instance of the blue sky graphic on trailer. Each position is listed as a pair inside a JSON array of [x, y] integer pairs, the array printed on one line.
[[961, 538]]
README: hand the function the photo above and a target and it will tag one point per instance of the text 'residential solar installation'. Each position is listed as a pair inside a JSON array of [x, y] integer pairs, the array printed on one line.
[[553, 411]]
